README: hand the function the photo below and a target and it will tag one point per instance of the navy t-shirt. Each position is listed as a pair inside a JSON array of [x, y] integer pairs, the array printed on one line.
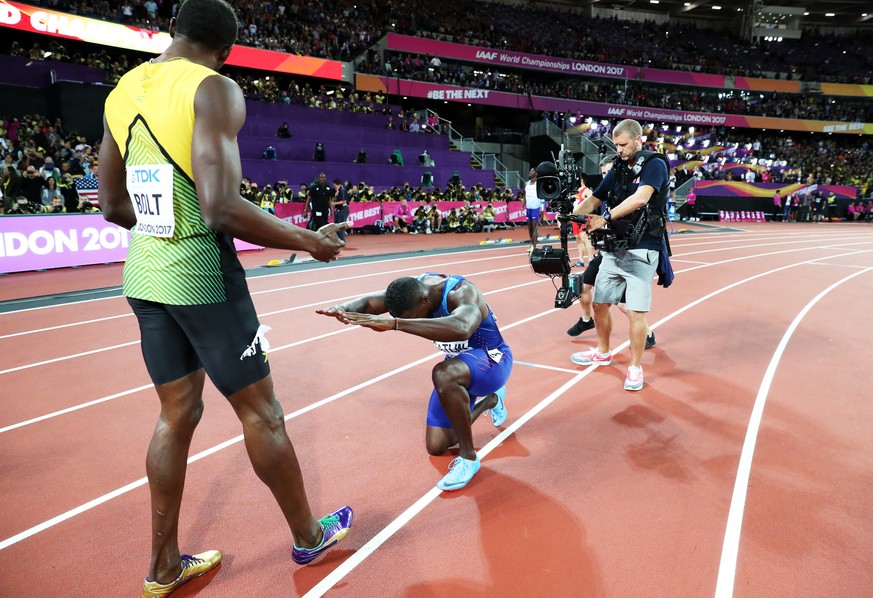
[[654, 174]]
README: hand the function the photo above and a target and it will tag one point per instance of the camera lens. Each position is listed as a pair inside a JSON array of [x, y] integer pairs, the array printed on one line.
[[548, 188]]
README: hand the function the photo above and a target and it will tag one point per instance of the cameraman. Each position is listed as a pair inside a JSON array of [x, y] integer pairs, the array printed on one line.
[[589, 277], [627, 191]]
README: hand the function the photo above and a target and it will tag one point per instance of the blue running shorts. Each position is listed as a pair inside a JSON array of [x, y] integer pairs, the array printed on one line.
[[486, 376]]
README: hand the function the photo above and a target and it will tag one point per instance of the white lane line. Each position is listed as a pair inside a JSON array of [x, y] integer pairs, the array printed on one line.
[[123, 393], [333, 266], [361, 554], [142, 481], [673, 259], [56, 359], [289, 309], [839, 265], [536, 365], [487, 449], [273, 350], [675, 241], [320, 303], [677, 258], [727, 567], [94, 321], [97, 401]]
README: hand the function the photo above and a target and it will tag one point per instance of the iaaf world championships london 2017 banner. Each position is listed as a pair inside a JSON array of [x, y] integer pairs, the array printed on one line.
[[46, 241], [42, 21], [572, 66], [448, 93]]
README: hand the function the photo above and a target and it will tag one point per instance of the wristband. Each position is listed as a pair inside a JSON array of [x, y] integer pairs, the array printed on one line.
[[396, 324]]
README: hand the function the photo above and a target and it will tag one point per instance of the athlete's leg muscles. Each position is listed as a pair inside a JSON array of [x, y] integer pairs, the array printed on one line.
[[273, 457], [451, 379], [166, 463]]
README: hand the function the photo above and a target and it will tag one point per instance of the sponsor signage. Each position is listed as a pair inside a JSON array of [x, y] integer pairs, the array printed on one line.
[[449, 93], [38, 20], [46, 241]]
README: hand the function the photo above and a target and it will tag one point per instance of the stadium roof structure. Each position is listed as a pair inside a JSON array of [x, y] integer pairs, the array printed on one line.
[[817, 13]]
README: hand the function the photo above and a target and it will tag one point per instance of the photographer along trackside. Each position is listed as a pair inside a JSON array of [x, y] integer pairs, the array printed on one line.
[[627, 223]]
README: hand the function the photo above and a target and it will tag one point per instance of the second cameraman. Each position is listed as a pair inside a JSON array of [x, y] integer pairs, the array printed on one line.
[[635, 192]]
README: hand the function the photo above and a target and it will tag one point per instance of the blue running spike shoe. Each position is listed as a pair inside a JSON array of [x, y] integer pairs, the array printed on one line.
[[461, 471], [192, 566], [335, 527], [498, 412]]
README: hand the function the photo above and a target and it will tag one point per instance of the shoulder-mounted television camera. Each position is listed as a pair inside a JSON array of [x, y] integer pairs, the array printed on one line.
[[557, 185], [558, 182]]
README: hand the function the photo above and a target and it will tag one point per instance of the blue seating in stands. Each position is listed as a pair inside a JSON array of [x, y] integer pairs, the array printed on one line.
[[343, 135]]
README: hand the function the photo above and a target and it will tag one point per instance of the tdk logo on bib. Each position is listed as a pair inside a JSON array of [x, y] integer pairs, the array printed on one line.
[[150, 175], [151, 192]]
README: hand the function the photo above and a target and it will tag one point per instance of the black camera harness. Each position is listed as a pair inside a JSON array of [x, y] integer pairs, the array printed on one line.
[[629, 230]]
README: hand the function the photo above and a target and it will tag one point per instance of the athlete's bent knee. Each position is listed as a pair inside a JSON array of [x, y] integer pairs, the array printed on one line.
[[444, 374]]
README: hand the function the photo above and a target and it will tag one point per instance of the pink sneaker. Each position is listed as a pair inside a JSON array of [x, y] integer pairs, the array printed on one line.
[[591, 357], [634, 380]]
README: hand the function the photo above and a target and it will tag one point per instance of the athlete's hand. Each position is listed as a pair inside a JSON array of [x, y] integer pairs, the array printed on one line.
[[329, 244], [336, 311], [377, 323]]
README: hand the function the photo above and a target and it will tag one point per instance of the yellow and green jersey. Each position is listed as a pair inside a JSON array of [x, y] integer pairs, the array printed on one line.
[[174, 258]]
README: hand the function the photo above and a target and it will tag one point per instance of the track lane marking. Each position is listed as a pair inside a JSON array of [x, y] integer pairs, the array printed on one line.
[[727, 567]]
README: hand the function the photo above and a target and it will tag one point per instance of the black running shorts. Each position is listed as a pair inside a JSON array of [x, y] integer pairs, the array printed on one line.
[[225, 339], [590, 274]]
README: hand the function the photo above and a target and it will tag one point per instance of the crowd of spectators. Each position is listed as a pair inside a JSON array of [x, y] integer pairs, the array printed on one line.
[[40, 164], [281, 89], [280, 192], [776, 158], [718, 101], [476, 214], [343, 29]]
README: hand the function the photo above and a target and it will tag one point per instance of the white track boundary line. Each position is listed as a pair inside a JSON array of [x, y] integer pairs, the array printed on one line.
[[249, 279], [727, 567], [66, 357], [142, 481], [273, 350], [540, 366], [675, 242], [365, 551], [483, 452], [96, 320]]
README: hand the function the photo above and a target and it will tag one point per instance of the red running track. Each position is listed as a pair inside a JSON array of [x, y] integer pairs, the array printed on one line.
[[743, 468]]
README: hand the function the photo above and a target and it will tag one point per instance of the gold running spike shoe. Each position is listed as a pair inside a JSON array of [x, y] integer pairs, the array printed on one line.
[[192, 566]]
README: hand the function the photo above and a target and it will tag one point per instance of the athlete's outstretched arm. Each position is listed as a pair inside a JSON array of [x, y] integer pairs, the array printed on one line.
[[219, 109], [112, 192], [459, 325], [368, 304]]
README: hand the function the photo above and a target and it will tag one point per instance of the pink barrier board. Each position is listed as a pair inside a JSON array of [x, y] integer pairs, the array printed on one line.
[[48, 241]]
